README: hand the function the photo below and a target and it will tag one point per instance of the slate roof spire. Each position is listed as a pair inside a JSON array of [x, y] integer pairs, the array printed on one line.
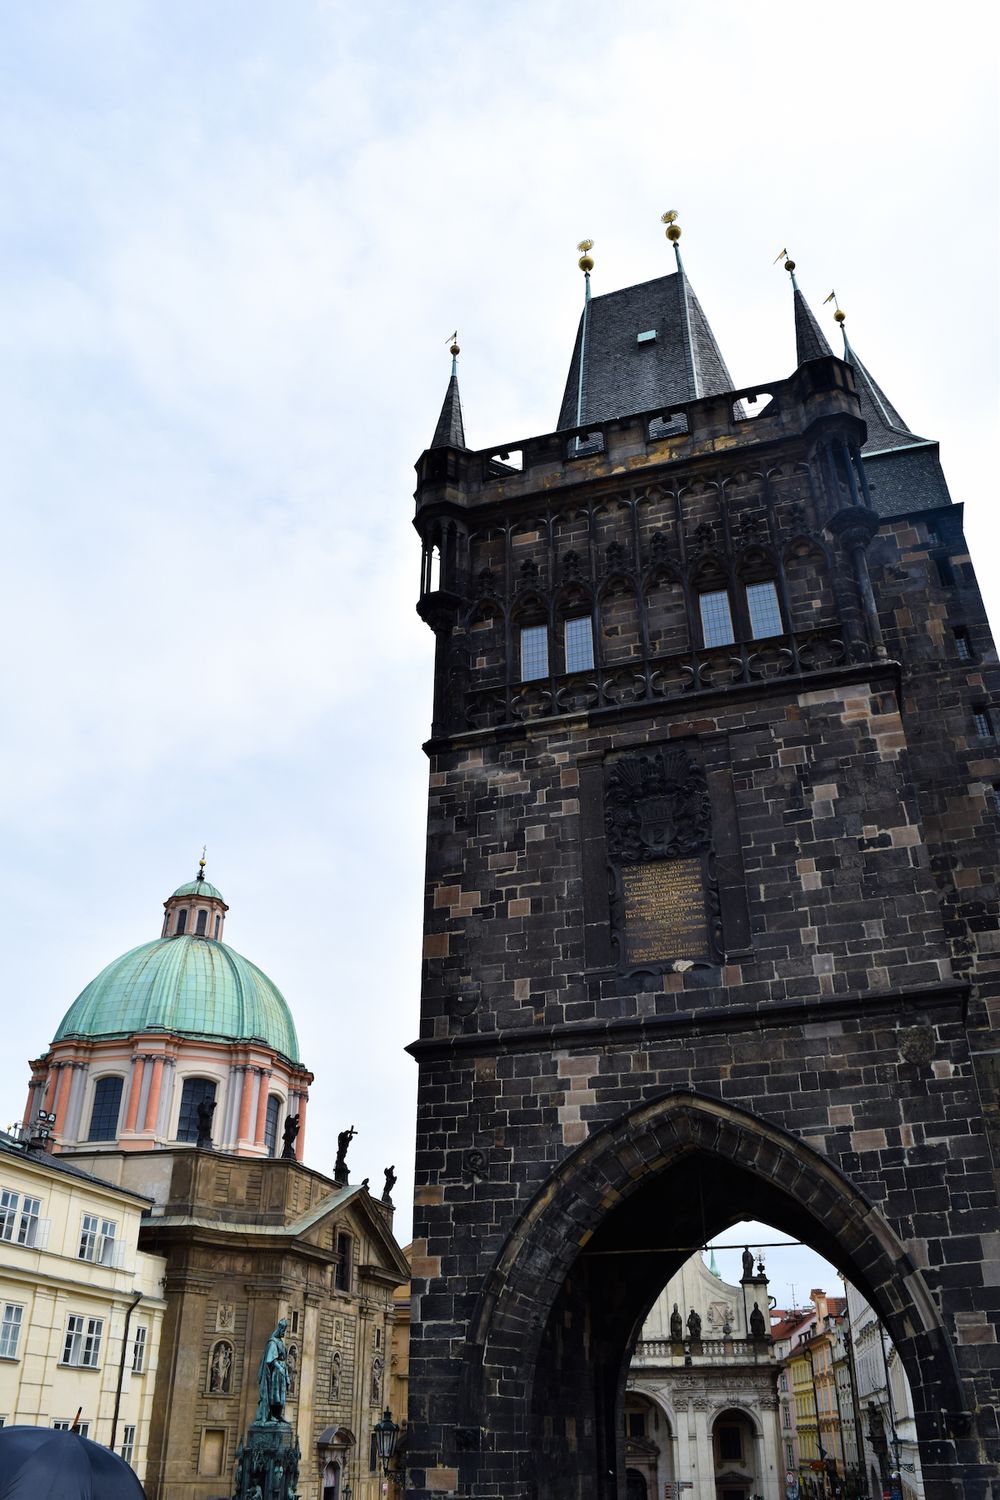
[[640, 348], [886, 428], [450, 429], [810, 340]]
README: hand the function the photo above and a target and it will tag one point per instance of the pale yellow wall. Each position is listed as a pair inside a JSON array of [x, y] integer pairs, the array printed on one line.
[[51, 1282]]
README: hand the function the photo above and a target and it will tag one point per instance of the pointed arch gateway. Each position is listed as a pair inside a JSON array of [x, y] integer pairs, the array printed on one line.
[[558, 1314]]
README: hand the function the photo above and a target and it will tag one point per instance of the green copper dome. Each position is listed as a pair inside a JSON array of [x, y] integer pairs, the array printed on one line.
[[199, 888], [188, 984]]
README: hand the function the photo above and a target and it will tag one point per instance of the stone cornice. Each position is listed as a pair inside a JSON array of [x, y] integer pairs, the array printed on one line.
[[950, 996]]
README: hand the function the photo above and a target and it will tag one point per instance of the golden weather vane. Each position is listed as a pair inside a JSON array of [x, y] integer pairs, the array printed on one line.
[[586, 262], [673, 229], [839, 315]]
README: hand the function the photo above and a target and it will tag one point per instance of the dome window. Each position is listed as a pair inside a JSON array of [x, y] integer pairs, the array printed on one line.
[[195, 1091], [182, 921], [202, 927], [271, 1124], [218, 921], [106, 1109]]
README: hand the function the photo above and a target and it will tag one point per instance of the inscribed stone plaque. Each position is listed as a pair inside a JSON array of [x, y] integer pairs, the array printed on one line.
[[664, 910]]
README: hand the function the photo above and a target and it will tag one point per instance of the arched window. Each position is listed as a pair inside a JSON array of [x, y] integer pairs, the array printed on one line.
[[106, 1109], [220, 1368], [271, 1122], [218, 920], [202, 926], [195, 1091], [182, 921]]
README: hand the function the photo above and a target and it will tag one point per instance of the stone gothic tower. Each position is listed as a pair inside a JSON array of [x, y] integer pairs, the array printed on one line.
[[711, 914]]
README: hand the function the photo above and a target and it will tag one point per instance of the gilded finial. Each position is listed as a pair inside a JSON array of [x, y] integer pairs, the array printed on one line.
[[586, 261], [789, 263], [453, 350], [673, 229], [201, 862], [839, 316]]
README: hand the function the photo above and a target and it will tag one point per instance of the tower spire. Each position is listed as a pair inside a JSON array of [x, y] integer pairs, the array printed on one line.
[[810, 341], [673, 233], [886, 428], [450, 429], [640, 348]]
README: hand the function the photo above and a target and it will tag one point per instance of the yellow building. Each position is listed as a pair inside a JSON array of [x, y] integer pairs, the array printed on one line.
[[80, 1306]]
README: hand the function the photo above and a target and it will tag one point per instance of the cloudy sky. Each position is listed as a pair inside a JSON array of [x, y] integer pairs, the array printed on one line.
[[236, 236]]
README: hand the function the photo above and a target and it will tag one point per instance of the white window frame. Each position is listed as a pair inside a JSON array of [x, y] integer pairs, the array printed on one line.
[[21, 1213], [10, 1329], [128, 1443], [98, 1240], [139, 1341], [82, 1341], [65, 1424]]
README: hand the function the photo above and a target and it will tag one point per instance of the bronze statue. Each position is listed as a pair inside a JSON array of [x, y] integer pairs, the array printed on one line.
[[272, 1377], [291, 1130], [344, 1139], [747, 1264], [676, 1325], [694, 1327], [206, 1109], [757, 1327], [390, 1182]]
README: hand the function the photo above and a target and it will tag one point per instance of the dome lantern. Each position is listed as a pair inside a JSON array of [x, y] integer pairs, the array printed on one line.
[[196, 909]]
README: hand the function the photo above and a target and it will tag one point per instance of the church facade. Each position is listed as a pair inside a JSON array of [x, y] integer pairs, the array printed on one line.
[[701, 1405], [711, 930], [175, 1077]]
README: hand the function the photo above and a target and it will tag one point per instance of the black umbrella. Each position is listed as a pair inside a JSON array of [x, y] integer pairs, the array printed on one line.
[[39, 1463]]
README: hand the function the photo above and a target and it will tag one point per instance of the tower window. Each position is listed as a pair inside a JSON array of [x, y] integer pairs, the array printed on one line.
[[983, 720], [218, 921], [579, 643], [202, 927], [271, 1124], [107, 1107], [963, 645], [182, 921], [534, 652], [945, 572], [195, 1091], [716, 618], [763, 609]]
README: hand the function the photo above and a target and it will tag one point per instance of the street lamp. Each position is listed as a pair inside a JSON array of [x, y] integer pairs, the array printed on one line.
[[386, 1432]]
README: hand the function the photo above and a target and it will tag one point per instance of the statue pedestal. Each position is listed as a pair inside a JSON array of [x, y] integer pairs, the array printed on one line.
[[267, 1463]]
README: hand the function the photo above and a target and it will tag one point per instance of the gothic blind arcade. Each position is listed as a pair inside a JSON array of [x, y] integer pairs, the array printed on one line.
[[711, 923]]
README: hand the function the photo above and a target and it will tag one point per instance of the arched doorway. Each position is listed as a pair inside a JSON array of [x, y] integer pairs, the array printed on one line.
[[635, 1485], [560, 1311], [331, 1482], [734, 1456]]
